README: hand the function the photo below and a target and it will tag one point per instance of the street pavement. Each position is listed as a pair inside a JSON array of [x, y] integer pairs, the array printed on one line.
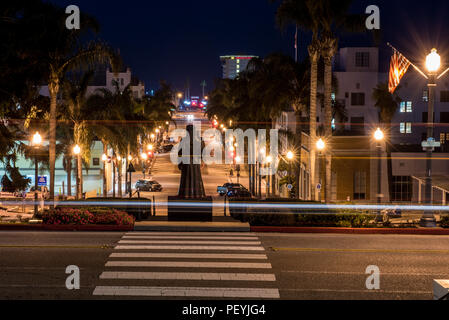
[[163, 265]]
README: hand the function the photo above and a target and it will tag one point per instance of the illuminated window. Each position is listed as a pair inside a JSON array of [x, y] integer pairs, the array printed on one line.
[[406, 106], [425, 95], [409, 106], [406, 127]]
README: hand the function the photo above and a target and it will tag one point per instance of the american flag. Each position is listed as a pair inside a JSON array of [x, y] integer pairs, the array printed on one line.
[[398, 67]]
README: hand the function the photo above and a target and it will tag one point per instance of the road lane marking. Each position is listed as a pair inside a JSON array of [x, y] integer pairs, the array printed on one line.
[[54, 247], [150, 233], [188, 237], [361, 250], [188, 276], [180, 264], [224, 248], [364, 274], [188, 292], [255, 243], [189, 256], [358, 291]]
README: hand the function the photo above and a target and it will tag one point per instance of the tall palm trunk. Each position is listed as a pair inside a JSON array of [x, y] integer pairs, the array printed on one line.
[[80, 176], [69, 176], [329, 49], [105, 183], [314, 56], [119, 179], [53, 88]]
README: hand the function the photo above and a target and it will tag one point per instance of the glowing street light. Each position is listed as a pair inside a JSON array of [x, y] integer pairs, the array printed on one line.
[[76, 150], [269, 159], [37, 139], [144, 156], [104, 157], [238, 159], [130, 158], [152, 136], [433, 61], [379, 135], [320, 145], [150, 147], [290, 155]]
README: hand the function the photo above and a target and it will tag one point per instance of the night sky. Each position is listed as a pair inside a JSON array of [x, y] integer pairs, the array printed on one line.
[[177, 40]]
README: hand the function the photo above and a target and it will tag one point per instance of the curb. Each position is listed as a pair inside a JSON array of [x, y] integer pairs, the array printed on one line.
[[435, 231], [41, 227]]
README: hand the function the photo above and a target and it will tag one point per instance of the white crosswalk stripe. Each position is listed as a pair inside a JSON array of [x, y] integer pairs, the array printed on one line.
[[203, 264]]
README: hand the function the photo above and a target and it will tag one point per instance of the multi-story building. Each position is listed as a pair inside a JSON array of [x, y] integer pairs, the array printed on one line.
[[105, 79], [234, 64]]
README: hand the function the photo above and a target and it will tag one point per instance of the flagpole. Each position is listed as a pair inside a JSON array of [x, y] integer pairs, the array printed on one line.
[[296, 44], [416, 68]]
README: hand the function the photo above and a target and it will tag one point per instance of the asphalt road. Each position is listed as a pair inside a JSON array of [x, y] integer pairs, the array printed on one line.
[[300, 267]]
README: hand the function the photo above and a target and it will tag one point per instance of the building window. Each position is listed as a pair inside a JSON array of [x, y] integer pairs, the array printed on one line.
[[362, 59], [425, 95], [359, 185], [358, 99], [444, 117], [406, 106], [96, 161], [402, 188], [405, 127], [444, 96]]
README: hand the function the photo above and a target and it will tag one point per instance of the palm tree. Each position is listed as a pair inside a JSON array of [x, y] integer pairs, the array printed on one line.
[[324, 18], [77, 111], [65, 53], [388, 105], [302, 13]]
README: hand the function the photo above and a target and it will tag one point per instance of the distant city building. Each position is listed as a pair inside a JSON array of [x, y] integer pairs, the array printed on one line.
[[234, 64]]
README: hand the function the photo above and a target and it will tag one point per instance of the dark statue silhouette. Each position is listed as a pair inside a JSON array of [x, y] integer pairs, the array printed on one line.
[[191, 185], [191, 188]]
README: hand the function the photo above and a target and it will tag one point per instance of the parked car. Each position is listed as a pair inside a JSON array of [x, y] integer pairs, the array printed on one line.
[[238, 192], [148, 185], [222, 190]]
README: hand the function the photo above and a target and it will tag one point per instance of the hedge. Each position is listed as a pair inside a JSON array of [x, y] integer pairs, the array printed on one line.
[[280, 216], [86, 216], [140, 212]]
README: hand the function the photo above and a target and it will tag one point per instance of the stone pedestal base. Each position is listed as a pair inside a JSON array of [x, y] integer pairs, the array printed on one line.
[[180, 209]]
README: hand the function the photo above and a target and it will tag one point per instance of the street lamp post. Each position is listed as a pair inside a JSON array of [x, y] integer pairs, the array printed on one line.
[[36, 142], [269, 177], [77, 152], [433, 63], [379, 137], [105, 159], [320, 146], [290, 157], [144, 157]]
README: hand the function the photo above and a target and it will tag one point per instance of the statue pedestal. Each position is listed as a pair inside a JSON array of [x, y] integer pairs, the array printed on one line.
[[181, 209]]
